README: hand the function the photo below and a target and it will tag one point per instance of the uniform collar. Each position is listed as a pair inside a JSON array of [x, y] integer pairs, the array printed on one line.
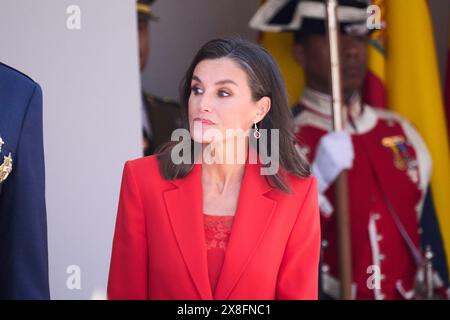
[[318, 112]]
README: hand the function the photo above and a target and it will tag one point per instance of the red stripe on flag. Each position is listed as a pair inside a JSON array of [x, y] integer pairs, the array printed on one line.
[[374, 92]]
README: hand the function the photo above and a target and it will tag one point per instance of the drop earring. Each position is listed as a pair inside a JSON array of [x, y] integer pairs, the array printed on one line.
[[256, 133]]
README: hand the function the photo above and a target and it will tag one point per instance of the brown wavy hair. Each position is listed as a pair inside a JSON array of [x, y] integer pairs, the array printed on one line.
[[265, 80]]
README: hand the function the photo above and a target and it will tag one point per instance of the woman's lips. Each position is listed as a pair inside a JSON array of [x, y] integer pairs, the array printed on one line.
[[204, 121]]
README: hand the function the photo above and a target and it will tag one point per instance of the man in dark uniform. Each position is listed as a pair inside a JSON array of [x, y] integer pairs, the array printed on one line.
[[23, 226], [389, 166], [159, 116]]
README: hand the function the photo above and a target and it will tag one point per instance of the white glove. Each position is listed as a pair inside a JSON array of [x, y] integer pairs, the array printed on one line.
[[334, 154], [326, 208]]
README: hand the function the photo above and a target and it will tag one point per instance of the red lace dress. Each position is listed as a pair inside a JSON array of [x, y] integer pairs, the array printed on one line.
[[217, 233]]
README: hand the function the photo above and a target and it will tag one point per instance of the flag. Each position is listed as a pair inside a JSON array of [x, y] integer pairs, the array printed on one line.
[[414, 91], [375, 90]]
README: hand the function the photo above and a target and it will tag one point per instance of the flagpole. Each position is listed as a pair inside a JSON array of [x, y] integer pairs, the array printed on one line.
[[341, 184]]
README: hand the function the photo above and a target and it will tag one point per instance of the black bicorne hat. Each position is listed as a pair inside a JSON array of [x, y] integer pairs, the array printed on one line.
[[305, 17]]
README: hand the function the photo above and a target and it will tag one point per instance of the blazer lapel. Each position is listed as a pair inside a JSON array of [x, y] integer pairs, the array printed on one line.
[[251, 220], [184, 207]]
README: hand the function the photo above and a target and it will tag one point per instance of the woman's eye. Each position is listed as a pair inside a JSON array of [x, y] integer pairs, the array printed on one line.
[[196, 90], [223, 93]]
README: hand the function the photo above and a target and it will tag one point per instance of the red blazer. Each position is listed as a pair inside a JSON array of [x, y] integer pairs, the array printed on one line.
[[159, 249]]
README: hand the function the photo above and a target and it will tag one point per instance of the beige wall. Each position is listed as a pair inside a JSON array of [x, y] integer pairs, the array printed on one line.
[[91, 123], [183, 27]]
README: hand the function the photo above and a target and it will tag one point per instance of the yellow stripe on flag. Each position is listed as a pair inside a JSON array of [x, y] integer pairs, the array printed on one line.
[[280, 46]]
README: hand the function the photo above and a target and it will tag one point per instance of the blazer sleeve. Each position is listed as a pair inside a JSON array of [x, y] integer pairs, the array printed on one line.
[[128, 270], [298, 277], [23, 250]]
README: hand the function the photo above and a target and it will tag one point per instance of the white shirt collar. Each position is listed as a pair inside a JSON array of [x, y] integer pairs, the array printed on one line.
[[318, 112]]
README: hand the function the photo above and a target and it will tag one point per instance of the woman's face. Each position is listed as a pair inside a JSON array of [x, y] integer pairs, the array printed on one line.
[[221, 99]]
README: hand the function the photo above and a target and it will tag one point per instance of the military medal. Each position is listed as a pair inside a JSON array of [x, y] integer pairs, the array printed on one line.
[[393, 144], [402, 160], [5, 167]]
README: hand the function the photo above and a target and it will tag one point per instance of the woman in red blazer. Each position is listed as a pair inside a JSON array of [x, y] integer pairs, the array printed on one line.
[[202, 229]]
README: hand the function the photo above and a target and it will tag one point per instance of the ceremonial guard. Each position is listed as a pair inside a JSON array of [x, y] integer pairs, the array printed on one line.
[[389, 166]]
